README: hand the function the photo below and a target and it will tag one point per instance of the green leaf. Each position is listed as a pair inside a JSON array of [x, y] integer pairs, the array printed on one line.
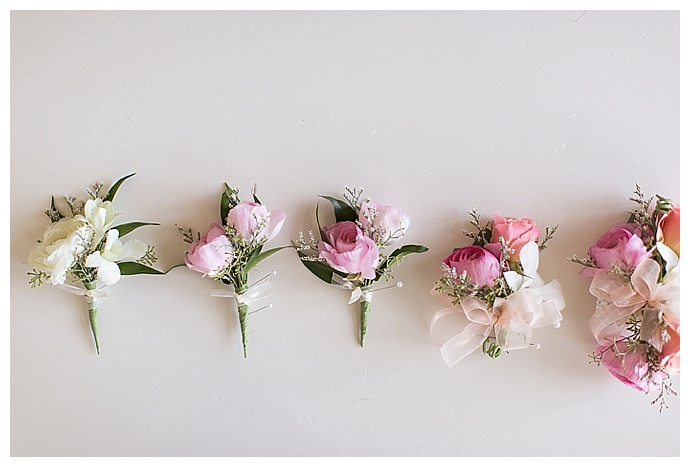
[[396, 256], [130, 268], [342, 210], [110, 196], [256, 259], [124, 229], [256, 198], [320, 269], [228, 200]]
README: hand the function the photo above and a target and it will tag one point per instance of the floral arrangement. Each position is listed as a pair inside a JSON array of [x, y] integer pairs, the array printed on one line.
[[635, 272], [82, 251], [351, 252], [494, 283], [230, 250]]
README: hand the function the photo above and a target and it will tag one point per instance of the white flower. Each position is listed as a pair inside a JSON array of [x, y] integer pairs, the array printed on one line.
[[62, 242], [529, 260], [101, 215], [114, 250]]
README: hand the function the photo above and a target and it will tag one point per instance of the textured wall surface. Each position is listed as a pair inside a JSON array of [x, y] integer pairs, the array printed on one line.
[[550, 115]]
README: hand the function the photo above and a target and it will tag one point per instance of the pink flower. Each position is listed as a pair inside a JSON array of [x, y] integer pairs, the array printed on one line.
[[383, 223], [631, 368], [481, 266], [668, 229], [211, 254], [516, 232], [670, 352], [348, 250], [619, 246], [254, 223]]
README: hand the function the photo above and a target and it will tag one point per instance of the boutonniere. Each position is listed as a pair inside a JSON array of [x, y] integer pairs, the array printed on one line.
[[83, 251], [233, 247], [352, 252]]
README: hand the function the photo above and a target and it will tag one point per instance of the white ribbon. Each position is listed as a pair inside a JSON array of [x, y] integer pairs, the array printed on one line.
[[618, 297], [92, 295], [252, 293], [359, 292], [510, 320]]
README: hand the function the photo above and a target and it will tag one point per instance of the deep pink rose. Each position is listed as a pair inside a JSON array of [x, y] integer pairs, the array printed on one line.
[[668, 229], [481, 266], [348, 250], [670, 352], [254, 223], [516, 232], [384, 223], [631, 368], [619, 246], [211, 254]]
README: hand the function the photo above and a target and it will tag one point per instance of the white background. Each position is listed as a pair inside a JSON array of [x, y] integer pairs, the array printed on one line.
[[548, 115]]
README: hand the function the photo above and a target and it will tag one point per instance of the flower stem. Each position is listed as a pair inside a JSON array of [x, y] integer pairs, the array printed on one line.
[[364, 307], [243, 311], [92, 303]]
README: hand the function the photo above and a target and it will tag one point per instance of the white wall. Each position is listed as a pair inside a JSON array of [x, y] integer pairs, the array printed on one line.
[[549, 115]]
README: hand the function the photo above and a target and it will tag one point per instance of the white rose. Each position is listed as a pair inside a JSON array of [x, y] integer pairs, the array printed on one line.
[[62, 242]]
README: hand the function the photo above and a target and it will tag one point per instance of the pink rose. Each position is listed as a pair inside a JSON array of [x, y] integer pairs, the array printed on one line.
[[348, 250], [668, 229], [516, 233], [619, 246], [631, 368], [481, 266], [211, 254], [383, 223], [670, 352], [254, 223]]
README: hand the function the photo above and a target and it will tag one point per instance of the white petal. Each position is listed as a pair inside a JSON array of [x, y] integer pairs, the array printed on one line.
[[94, 260], [108, 273], [529, 259], [132, 250], [513, 279]]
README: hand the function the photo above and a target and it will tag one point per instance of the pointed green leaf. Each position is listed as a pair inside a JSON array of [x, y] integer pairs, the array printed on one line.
[[342, 210], [320, 270], [130, 268], [124, 229], [113, 189], [396, 256], [256, 259]]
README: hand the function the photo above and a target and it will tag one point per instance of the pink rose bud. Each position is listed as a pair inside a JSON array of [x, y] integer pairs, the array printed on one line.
[[631, 368], [668, 229], [383, 223], [211, 254], [481, 266], [254, 223], [516, 232], [619, 246], [348, 250]]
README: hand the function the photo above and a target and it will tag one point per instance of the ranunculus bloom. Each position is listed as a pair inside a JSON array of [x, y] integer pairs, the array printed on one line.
[[516, 232], [62, 242], [348, 250], [619, 246], [114, 250], [211, 254], [631, 368], [481, 266], [670, 352], [384, 223], [668, 230], [254, 223], [100, 215]]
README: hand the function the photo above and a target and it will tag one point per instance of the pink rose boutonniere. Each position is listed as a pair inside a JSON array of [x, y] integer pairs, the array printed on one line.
[[494, 285], [83, 251], [351, 252], [232, 248], [635, 273]]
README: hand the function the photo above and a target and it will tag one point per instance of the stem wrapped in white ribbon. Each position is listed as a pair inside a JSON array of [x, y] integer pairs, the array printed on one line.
[[244, 296], [92, 294]]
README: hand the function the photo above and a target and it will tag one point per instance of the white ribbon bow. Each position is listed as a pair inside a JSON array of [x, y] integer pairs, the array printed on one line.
[[618, 297]]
